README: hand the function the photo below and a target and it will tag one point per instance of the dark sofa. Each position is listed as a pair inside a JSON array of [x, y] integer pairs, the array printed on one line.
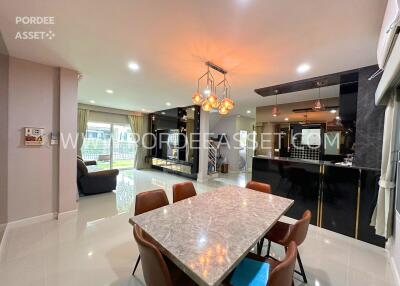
[[87, 163], [90, 183]]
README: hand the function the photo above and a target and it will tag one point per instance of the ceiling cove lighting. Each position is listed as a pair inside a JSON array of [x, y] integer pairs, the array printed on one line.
[[133, 66], [275, 109], [109, 91], [206, 96], [303, 68], [318, 105]]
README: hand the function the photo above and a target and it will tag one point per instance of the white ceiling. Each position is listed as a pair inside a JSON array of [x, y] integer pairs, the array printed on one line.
[[260, 43]]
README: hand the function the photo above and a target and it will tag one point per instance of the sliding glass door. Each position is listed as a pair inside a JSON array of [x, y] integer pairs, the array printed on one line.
[[123, 147], [111, 145]]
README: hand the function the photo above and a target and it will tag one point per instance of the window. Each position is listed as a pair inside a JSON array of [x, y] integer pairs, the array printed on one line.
[[111, 145]]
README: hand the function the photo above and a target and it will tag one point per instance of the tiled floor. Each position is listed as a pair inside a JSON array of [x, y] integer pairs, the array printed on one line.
[[96, 246]]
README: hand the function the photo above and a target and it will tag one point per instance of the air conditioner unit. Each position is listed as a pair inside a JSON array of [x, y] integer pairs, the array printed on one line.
[[389, 52], [389, 32]]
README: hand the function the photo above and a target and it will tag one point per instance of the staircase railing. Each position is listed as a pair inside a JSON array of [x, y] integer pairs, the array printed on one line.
[[212, 158]]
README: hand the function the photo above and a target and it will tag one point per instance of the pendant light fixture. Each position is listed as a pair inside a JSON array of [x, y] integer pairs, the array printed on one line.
[[226, 104], [318, 105], [209, 99], [275, 109]]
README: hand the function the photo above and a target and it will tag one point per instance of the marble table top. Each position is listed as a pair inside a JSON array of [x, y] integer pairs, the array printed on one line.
[[207, 235]]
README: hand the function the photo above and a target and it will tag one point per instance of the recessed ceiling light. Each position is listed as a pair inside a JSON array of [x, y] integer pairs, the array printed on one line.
[[168, 103], [248, 111], [92, 101], [193, 109], [337, 117], [109, 91], [133, 66], [162, 112], [286, 119], [303, 68], [333, 111]]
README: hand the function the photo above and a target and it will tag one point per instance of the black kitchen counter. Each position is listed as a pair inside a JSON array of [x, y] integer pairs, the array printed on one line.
[[341, 198]]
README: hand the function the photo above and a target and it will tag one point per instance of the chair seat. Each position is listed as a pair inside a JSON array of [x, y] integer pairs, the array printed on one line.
[[178, 277], [278, 233], [272, 265]]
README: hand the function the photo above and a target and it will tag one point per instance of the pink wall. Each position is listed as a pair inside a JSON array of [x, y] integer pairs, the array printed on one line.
[[33, 172], [67, 153], [3, 136]]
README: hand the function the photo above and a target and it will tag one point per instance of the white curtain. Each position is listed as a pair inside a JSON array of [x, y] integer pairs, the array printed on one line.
[[137, 123], [83, 117], [382, 217]]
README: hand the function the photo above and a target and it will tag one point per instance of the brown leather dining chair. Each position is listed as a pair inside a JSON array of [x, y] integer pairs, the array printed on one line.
[[260, 187], [157, 270], [148, 201], [183, 191], [284, 233], [281, 272]]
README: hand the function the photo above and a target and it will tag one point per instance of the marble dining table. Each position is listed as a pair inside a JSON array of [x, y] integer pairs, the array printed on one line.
[[208, 235]]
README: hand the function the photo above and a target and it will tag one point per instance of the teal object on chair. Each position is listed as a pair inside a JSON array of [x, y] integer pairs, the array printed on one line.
[[250, 272]]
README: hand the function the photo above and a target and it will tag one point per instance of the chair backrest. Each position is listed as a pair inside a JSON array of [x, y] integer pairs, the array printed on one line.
[[282, 275], [155, 270], [183, 191], [298, 231], [150, 200], [260, 187], [82, 169]]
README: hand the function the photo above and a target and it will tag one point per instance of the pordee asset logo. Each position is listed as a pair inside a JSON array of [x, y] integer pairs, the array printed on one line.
[[32, 21]]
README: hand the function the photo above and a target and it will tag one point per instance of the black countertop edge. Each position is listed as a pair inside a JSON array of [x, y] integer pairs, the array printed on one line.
[[316, 162]]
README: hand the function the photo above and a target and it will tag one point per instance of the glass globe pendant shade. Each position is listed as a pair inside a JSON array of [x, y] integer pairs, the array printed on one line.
[[213, 100], [275, 111], [318, 105], [223, 110], [206, 106], [227, 103], [197, 98]]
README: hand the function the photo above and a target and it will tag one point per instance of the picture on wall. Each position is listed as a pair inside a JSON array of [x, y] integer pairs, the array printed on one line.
[[34, 136]]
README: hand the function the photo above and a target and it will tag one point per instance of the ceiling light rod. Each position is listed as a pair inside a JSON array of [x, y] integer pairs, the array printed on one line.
[[227, 87], [215, 67], [209, 80]]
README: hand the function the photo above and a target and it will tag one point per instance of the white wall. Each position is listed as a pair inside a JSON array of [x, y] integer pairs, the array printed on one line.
[[33, 172], [394, 242], [202, 175], [231, 125], [395, 246]]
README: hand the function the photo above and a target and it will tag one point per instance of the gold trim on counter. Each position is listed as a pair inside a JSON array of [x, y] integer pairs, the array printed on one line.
[[358, 205]]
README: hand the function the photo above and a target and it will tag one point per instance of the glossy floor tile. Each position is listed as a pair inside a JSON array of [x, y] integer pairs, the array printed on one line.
[[96, 246]]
